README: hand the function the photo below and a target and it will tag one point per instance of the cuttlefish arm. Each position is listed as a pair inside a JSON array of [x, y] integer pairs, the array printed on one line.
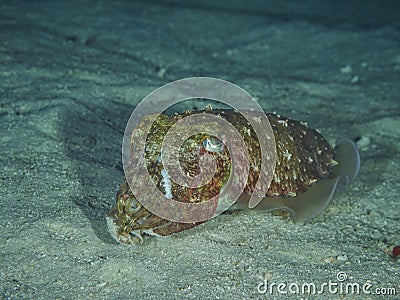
[[316, 199]]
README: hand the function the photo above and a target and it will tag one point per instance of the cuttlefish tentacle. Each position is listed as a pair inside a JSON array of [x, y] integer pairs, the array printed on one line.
[[312, 202]]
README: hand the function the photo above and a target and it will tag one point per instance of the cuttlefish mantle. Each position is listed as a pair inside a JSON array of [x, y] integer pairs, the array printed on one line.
[[312, 202]]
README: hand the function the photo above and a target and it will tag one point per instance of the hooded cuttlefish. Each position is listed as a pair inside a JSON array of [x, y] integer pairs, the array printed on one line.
[[308, 172]]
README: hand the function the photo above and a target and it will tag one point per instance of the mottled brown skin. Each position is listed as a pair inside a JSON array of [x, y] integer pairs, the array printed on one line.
[[303, 158]]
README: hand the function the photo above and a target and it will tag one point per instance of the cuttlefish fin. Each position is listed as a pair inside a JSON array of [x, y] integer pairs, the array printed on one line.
[[348, 158], [309, 204], [306, 205]]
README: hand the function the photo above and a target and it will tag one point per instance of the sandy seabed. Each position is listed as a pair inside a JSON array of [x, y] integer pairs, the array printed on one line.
[[71, 74]]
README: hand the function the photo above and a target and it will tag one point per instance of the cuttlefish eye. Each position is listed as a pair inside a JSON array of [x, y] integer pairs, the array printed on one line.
[[213, 144]]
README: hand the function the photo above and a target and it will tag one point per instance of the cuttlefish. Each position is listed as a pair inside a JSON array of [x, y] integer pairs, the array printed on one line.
[[308, 172]]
